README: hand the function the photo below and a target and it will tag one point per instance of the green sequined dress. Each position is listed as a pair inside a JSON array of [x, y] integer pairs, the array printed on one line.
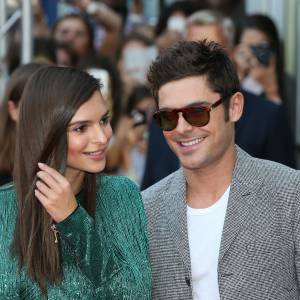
[[102, 258]]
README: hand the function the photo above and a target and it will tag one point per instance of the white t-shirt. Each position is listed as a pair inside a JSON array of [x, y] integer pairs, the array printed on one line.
[[205, 228]]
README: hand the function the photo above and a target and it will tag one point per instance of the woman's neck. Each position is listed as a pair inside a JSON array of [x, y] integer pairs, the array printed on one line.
[[75, 178]]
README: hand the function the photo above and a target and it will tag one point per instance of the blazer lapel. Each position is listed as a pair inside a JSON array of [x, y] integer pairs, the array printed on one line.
[[243, 192], [175, 208]]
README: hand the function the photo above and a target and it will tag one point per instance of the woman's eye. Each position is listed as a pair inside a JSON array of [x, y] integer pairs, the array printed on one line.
[[81, 128], [105, 120]]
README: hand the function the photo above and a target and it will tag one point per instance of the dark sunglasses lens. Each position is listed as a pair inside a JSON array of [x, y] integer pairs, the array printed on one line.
[[196, 116], [166, 120]]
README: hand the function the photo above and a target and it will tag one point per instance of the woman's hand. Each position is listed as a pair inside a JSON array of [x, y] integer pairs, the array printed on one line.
[[55, 193]]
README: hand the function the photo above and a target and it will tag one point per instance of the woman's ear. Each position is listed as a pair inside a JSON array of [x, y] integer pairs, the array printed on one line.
[[13, 110], [236, 107]]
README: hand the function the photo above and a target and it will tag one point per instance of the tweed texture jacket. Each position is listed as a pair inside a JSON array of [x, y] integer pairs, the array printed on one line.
[[259, 256]]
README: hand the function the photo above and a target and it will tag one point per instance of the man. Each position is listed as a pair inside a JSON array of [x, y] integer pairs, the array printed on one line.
[[262, 130], [225, 225]]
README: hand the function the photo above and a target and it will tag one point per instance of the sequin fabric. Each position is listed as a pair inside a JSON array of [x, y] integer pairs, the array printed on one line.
[[102, 258]]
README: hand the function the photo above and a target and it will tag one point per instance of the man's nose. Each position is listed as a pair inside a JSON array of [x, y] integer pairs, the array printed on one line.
[[182, 124]]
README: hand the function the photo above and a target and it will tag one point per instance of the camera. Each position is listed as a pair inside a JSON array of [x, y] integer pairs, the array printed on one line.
[[262, 52]]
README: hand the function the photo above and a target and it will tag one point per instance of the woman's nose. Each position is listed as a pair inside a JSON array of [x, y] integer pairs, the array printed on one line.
[[100, 135]]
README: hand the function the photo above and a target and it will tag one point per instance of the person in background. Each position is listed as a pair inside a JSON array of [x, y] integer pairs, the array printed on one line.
[[44, 52], [103, 21], [171, 23], [135, 55], [68, 232], [9, 111], [259, 58], [138, 19], [128, 153], [76, 31], [226, 225], [234, 9]]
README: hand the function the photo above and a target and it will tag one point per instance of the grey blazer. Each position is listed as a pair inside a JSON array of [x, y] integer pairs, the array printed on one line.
[[259, 256]]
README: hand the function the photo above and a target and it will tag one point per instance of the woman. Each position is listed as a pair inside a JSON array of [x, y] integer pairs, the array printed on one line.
[[8, 118], [259, 58], [75, 30], [92, 26], [135, 56], [74, 234]]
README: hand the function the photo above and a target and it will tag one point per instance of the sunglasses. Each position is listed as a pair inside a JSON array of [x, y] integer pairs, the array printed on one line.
[[167, 119]]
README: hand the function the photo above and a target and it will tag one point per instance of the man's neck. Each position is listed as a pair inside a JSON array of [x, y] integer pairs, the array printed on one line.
[[206, 185]]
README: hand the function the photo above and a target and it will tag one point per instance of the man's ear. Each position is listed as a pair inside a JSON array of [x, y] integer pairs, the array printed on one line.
[[13, 110], [236, 106]]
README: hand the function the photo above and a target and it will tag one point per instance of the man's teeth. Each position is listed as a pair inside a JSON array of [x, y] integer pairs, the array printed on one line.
[[192, 142]]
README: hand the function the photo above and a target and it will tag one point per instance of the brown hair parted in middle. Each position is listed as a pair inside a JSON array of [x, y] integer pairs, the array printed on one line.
[[49, 101]]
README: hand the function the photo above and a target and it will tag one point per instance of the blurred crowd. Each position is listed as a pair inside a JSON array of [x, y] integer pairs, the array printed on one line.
[[116, 41]]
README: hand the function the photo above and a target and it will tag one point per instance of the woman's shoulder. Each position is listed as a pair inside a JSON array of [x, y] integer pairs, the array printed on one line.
[[7, 193], [7, 199], [8, 211], [7, 186], [118, 190], [116, 184]]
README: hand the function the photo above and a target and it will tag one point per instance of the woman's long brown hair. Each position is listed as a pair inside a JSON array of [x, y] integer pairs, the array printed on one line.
[[49, 101]]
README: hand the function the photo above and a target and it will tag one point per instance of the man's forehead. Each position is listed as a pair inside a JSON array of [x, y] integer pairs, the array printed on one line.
[[186, 80], [189, 89]]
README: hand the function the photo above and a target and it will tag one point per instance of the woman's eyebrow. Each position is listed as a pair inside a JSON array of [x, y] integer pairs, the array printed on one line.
[[80, 122], [106, 114]]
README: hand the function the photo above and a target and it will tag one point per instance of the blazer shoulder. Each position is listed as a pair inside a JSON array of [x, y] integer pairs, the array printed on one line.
[[274, 173], [160, 188]]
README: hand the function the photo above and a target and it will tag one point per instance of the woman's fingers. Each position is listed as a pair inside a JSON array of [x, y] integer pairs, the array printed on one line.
[[55, 193], [48, 179], [55, 174], [42, 198], [43, 188]]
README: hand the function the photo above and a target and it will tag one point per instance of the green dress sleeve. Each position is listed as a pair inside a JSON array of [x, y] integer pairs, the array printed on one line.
[[81, 234], [112, 249]]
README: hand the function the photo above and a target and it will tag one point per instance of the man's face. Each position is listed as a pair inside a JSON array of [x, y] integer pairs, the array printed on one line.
[[196, 147], [211, 32]]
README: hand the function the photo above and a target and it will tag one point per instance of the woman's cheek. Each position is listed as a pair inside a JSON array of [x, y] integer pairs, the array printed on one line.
[[77, 144]]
